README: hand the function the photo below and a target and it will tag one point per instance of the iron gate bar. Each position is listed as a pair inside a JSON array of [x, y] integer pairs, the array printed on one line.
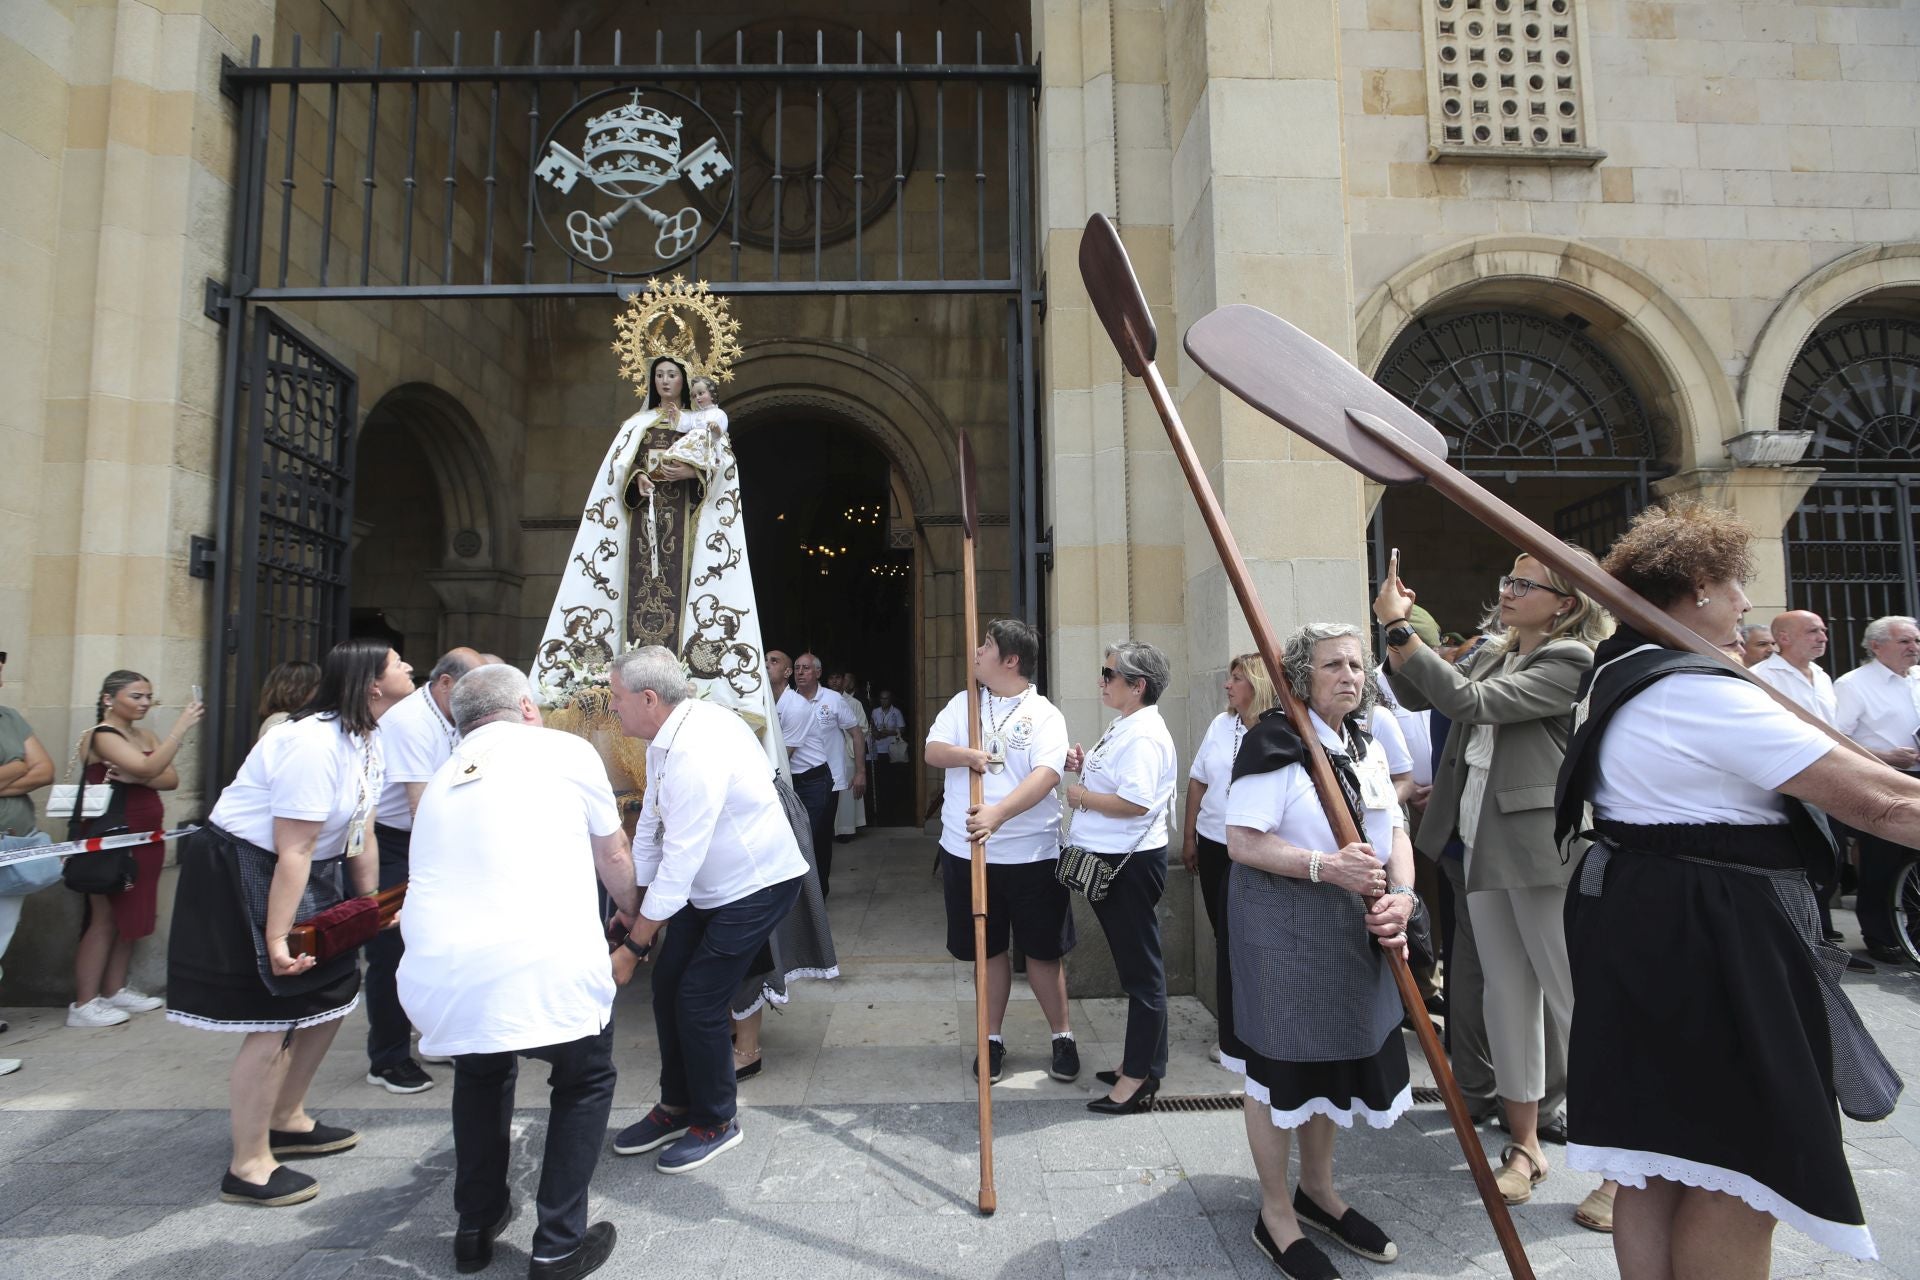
[[235, 76]]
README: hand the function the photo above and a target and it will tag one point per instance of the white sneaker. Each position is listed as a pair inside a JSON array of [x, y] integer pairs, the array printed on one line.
[[8, 1066], [1213, 1054], [95, 1013], [134, 1000]]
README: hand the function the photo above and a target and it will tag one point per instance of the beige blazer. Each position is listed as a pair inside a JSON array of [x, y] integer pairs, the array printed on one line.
[[1532, 705]]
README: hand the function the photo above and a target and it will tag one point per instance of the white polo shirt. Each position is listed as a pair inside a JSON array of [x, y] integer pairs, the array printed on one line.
[[1035, 736], [417, 740], [712, 829], [1134, 760], [1813, 694], [308, 769], [1285, 803], [1877, 707], [1415, 726], [1212, 768], [505, 948], [826, 716]]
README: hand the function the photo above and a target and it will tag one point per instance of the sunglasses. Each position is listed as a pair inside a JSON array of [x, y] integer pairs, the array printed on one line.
[[1108, 675], [1520, 586]]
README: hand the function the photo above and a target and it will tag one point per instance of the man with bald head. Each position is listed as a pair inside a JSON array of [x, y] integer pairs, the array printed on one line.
[[1756, 644], [416, 738], [1795, 670], [813, 719]]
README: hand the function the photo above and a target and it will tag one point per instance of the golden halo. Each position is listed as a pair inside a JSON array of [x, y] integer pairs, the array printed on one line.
[[659, 323]]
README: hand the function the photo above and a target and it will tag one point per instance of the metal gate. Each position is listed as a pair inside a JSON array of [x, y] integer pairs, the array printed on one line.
[[1850, 558], [837, 189]]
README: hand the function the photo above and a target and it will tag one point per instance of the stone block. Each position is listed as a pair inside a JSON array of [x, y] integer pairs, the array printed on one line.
[[1722, 100], [1874, 148], [1801, 224], [1240, 38], [1650, 21], [1246, 143], [1830, 190], [1743, 146], [1391, 92]]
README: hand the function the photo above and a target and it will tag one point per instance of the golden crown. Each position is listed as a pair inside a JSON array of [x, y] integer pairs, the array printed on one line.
[[660, 322]]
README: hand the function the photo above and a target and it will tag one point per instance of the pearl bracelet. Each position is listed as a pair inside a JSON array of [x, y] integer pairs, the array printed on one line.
[[1313, 867]]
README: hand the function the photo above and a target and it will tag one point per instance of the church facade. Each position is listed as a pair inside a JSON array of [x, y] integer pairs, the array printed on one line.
[[302, 340]]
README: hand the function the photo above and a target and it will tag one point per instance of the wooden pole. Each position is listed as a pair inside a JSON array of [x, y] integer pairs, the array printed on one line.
[[971, 606]]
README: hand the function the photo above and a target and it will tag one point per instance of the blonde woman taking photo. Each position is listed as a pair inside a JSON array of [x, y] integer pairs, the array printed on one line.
[[1512, 710]]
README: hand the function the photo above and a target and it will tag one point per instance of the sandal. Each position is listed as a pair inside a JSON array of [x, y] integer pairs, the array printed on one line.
[[1596, 1211], [1517, 1187], [745, 1070]]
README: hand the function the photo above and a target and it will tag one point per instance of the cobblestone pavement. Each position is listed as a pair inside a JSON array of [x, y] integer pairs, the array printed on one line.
[[859, 1158]]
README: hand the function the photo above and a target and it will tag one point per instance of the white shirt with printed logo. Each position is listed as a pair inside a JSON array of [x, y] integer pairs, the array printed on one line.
[[1035, 736]]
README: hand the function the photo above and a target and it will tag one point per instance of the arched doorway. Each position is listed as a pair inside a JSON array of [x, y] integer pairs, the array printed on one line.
[[831, 536], [427, 531], [1855, 387], [1527, 400]]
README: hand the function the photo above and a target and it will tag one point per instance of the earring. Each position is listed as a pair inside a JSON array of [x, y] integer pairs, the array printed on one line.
[[1702, 602]]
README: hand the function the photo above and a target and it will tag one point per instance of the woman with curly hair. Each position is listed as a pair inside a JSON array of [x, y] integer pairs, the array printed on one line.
[[1512, 709], [1711, 1039]]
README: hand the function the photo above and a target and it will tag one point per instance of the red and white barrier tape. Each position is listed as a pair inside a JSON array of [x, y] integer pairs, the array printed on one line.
[[68, 848]]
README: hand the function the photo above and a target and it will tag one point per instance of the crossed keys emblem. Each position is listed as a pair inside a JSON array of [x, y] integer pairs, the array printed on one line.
[[630, 153]]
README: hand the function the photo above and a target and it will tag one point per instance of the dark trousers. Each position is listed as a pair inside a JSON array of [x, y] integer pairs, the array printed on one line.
[[389, 1033], [815, 789], [582, 1099], [1880, 862], [1129, 917], [704, 955], [1213, 867]]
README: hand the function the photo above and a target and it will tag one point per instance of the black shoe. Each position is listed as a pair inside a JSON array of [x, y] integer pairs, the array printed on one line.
[[1856, 965], [1351, 1229], [1483, 1111], [1108, 1078], [996, 1060], [749, 1071], [286, 1186], [1066, 1059], [321, 1140], [1142, 1100], [1554, 1131], [473, 1246], [1436, 1005], [1302, 1260], [588, 1258], [402, 1077], [1886, 955], [1832, 935]]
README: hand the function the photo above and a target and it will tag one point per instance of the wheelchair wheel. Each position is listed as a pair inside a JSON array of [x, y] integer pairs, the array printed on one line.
[[1906, 908]]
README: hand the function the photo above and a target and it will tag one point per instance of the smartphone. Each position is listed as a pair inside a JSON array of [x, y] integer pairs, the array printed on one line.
[[196, 694], [1393, 565]]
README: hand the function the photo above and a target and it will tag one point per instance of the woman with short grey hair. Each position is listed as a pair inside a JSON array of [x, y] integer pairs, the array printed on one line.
[[1120, 813], [1315, 1025]]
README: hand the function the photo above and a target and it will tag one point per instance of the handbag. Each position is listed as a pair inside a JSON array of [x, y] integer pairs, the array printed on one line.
[[103, 871], [897, 751], [75, 800], [1089, 874]]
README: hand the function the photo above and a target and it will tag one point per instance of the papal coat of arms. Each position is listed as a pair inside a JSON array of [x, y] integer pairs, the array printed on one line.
[[636, 148]]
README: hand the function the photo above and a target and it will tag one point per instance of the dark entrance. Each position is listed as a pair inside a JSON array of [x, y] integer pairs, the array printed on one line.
[[865, 164]]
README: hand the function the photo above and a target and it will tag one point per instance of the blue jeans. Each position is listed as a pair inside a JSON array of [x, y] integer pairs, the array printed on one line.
[[815, 789], [704, 956], [389, 1032], [582, 1099]]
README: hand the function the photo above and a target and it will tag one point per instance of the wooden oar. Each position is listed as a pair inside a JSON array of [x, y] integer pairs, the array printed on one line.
[[1123, 309], [1311, 390], [969, 531]]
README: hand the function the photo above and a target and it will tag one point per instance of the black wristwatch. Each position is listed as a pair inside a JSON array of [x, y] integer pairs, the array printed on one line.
[[623, 938], [1399, 633]]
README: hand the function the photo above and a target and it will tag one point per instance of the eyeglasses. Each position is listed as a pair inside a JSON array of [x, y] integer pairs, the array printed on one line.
[[1518, 587]]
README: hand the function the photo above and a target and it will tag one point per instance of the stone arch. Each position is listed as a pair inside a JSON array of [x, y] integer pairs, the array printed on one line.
[[1887, 270], [470, 495], [1628, 315], [879, 400]]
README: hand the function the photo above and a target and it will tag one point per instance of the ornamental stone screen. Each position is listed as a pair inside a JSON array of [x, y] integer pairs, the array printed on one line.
[[1507, 80]]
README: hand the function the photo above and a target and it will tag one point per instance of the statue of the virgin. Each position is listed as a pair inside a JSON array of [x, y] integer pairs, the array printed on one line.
[[661, 556]]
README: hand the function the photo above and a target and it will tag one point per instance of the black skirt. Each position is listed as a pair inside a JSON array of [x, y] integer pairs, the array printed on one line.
[[1701, 1049], [214, 978]]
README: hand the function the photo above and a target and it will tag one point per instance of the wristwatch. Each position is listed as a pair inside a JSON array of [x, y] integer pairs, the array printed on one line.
[[1399, 633]]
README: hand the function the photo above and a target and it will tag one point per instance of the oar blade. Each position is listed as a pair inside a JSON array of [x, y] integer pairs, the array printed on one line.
[[969, 489], [1307, 387], [1115, 292]]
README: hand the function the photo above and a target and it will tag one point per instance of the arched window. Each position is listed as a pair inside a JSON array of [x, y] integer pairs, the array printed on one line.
[[1856, 386], [1517, 392]]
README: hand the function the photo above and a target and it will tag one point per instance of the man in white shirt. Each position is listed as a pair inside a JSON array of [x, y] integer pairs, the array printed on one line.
[[506, 958], [416, 737], [889, 726], [716, 855], [1756, 644], [1879, 707], [850, 810], [1023, 751], [814, 718], [1795, 671]]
